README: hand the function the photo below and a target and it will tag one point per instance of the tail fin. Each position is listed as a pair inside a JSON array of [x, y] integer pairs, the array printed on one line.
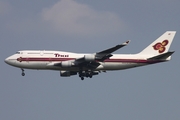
[[160, 45]]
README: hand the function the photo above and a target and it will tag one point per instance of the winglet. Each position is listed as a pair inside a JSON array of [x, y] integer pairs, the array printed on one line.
[[127, 42]]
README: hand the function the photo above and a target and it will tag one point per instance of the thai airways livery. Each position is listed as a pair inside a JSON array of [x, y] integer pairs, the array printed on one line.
[[88, 65]]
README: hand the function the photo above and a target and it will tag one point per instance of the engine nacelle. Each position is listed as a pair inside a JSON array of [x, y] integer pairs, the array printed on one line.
[[67, 73], [66, 63], [89, 57]]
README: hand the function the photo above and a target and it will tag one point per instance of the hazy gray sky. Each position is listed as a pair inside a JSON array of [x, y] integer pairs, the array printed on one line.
[[150, 92]]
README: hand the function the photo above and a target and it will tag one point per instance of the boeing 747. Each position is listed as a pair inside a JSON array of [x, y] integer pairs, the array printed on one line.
[[88, 65]]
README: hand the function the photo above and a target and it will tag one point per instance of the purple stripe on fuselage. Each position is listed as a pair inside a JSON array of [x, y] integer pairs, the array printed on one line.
[[107, 60]]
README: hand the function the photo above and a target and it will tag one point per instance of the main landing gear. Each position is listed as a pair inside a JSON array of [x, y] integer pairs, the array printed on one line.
[[87, 74], [82, 78], [23, 74]]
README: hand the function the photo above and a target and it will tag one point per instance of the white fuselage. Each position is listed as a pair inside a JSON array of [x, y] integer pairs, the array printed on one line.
[[87, 65], [43, 60]]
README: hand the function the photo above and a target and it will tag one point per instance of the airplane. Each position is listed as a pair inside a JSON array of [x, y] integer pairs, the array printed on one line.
[[88, 65]]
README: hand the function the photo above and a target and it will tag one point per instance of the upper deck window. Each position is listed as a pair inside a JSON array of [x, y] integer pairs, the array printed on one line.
[[17, 52]]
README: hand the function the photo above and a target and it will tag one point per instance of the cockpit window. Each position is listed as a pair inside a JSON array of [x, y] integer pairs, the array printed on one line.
[[17, 52]]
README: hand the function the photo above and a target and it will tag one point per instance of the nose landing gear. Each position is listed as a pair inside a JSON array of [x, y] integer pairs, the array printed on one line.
[[23, 74]]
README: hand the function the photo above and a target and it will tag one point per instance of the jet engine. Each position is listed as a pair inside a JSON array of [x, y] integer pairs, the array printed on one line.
[[66, 63], [67, 73], [89, 57]]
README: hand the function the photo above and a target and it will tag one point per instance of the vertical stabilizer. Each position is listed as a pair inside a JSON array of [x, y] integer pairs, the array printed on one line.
[[160, 45]]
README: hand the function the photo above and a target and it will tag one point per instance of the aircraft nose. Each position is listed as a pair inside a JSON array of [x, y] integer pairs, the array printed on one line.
[[10, 60], [6, 60]]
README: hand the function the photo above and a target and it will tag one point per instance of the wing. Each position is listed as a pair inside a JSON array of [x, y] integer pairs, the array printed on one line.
[[92, 61], [105, 54]]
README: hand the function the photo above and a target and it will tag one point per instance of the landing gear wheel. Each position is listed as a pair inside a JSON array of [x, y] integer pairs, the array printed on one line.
[[82, 78], [23, 74]]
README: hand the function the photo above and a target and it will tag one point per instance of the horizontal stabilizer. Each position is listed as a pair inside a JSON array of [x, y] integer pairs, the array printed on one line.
[[162, 56]]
